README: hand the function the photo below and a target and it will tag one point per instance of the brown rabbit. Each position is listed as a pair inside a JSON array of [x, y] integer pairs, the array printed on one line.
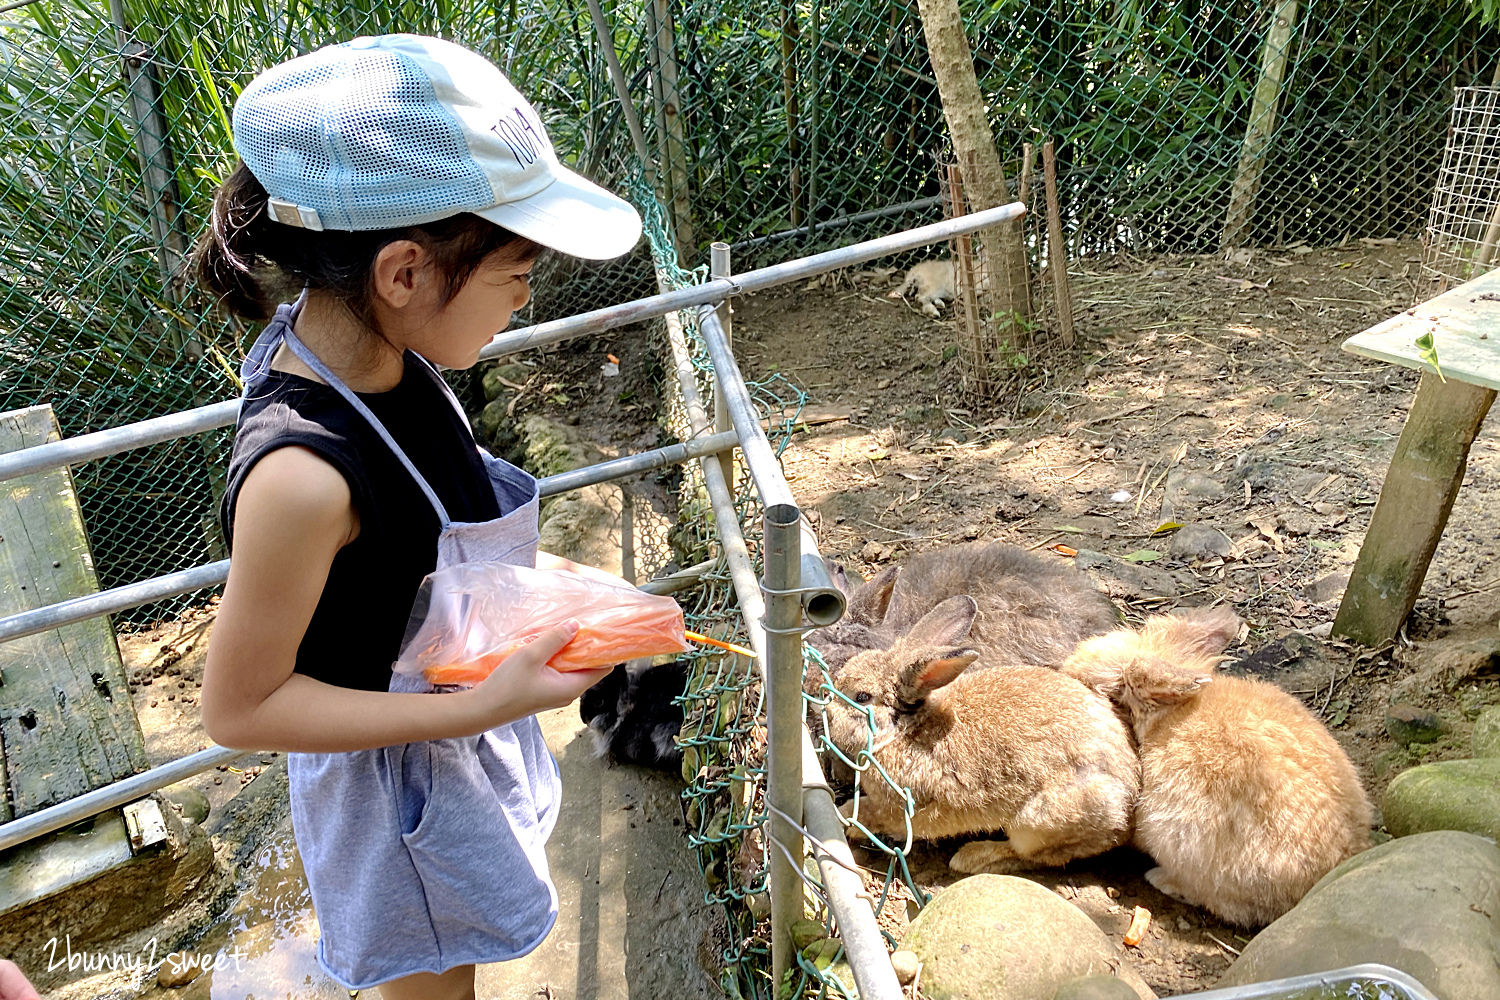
[[1030, 610], [1024, 749], [1246, 800]]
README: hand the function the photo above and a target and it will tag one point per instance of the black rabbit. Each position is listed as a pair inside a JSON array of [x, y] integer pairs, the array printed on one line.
[[634, 717]]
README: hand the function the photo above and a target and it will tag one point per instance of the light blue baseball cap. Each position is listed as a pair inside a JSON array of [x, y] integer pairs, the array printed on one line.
[[398, 130]]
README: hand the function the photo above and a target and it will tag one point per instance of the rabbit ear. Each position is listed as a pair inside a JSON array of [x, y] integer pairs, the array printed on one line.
[[1203, 632], [947, 624], [1157, 682], [927, 675], [869, 601]]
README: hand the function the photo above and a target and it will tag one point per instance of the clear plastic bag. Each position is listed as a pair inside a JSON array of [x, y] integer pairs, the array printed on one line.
[[468, 617]]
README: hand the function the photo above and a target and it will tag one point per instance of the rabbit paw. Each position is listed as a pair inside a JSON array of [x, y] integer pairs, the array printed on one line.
[[987, 857], [1164, 883]]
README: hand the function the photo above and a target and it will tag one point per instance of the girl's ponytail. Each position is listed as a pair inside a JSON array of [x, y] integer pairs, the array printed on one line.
[[231, 251]]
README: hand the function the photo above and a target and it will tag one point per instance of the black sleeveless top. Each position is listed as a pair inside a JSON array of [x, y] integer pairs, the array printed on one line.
[[356, 631]]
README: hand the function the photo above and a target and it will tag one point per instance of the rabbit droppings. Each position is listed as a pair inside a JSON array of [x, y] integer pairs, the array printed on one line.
[[1025, 749], [1246, 800], [1031, 611]]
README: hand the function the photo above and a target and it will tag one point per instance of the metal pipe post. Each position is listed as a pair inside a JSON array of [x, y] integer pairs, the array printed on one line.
[[125, 790], [823, 600], [846, 899], [784, 716], [719, 267]]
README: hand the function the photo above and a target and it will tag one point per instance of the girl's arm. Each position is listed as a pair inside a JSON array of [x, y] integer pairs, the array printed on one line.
[[293, 513]]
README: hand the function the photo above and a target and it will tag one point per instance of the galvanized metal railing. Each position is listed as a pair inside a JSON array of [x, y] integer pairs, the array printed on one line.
[[796, 593]]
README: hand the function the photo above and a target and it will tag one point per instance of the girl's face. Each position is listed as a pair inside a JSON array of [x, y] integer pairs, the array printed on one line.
[[453, 333]]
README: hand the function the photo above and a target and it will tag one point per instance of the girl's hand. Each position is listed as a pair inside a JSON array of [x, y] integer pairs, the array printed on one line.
[[523, 684], [13, 983]]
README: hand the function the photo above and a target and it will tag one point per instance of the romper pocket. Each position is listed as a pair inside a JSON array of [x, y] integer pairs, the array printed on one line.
[[479, 873]]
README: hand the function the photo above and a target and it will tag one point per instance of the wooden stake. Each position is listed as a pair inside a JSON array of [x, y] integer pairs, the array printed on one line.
[[790, 32], [1409, 518], [1057, 253], [668, 105], [1023, 186], [1261, 124]]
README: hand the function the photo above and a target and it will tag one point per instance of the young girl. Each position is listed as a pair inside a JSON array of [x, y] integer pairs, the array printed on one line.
[[406, 187]]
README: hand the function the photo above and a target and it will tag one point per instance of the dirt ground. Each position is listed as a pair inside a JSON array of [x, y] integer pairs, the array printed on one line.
[[1200, 390]]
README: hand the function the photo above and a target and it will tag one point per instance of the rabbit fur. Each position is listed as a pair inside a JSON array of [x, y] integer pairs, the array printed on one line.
[[634, 717], [1246, 799], [1031, 611], [1025, 749]]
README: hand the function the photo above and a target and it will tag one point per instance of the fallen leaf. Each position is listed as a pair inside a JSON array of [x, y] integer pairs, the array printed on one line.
[[1166, 526], [1061, 549], [1143, 555]]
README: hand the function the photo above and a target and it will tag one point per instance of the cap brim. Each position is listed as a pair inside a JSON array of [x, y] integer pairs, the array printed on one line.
[[572, 215]]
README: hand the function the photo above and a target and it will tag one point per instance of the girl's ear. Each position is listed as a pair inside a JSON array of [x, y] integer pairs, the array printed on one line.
[[397, 272]]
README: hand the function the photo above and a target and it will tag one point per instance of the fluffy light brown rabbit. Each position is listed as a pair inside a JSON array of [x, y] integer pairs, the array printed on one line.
[[1025, 749], [1246, 800]]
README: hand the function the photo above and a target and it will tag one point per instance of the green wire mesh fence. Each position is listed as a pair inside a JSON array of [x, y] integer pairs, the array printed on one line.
[[1180, 127], [816, 123]]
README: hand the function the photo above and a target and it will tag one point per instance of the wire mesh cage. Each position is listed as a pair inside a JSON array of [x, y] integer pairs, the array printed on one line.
[[1463, 227]]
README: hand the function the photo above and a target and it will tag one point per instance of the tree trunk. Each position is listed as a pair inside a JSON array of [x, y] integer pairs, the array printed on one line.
[[1001, 247]]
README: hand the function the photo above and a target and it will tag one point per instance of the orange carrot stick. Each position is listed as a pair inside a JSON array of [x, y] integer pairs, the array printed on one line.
[[1139, 921], [711, 641], [607, 637]]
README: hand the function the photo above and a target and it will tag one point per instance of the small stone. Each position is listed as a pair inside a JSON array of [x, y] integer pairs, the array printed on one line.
[[177, 971], [1112, 892], [1487, 733], [1409, 724], [906, 964], [1184, 924], [192, 802], [1326, 589], [1200, 542], [971, 531], [874, 552], [805, 932]]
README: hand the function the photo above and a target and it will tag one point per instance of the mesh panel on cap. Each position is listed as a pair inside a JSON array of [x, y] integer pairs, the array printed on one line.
[[360, 140]]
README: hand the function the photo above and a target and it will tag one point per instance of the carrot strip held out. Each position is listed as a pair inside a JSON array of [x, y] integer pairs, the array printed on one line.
[[606, 636]]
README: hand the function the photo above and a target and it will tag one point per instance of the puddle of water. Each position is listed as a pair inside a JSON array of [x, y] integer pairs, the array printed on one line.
[[266, 948]]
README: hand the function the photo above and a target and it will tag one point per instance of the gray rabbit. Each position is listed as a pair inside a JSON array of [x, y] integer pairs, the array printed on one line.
[[1030, 610]]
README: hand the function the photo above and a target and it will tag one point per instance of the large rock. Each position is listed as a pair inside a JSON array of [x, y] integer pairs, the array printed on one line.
[[1095, 988], [1487, 733], [999, 937], [1428, 905], [1448, 795]]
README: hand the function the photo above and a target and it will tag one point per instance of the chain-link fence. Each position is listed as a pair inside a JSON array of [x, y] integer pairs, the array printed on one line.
[[808, 123]]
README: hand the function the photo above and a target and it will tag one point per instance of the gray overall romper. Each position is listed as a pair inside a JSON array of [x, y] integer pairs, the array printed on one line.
[[426, 856]]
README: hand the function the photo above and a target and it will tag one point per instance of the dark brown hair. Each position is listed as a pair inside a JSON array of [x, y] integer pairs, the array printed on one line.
[[249, 261]]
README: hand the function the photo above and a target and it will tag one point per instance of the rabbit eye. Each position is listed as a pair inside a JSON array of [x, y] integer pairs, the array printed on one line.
[[863, 698]]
